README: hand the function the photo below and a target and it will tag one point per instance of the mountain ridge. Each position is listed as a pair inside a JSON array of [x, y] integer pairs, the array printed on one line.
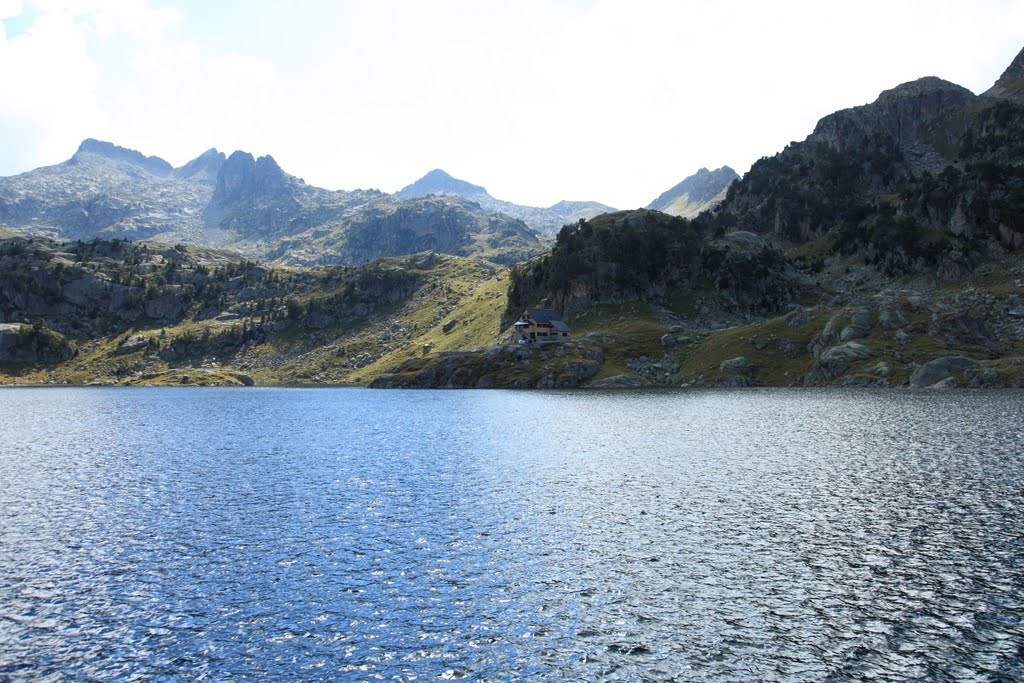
[[547, 220], [248, 203], [926, 178], [695, 194]]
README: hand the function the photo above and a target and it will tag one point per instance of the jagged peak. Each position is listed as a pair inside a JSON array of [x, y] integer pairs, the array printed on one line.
[[243, 176], [268, 162], [109, 150]]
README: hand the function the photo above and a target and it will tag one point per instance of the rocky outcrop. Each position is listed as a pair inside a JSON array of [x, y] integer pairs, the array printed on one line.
[[835, 361], [542, 366], [243, 178], [905, 117], [441, 224], [33, 345], [921, 180], [941, 370], [735, 372]]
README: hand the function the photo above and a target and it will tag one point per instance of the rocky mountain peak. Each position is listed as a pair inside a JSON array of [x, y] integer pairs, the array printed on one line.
[[698, 192], [1011, 83], [243, 177], [205, 166], [909, 116], [440, 182], [108, 150]]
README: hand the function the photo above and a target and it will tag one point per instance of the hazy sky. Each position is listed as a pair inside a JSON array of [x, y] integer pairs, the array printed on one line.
[[538, 101]]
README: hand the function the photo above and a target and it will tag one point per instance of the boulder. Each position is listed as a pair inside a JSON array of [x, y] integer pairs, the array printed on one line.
[[948, 383], [861, 318], [881, 369], [132, 344], [668, 341], [449, 326], [940, 369], [618, 381], [800, 316], [33, 345], [860, 325], [245, 379], [734, 365], [735, 372], [836, 360]]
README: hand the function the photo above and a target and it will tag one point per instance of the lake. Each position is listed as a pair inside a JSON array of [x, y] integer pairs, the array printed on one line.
[[349, 535]]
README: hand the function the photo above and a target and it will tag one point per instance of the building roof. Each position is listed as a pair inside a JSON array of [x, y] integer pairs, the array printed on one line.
[[543, 315], [560, 326]]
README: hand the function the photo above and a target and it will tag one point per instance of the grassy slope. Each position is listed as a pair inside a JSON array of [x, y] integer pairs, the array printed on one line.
[[683, 206], [473, 294], [470, 292]]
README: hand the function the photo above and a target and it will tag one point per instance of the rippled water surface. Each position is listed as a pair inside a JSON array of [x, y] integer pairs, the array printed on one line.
[[335, 535]]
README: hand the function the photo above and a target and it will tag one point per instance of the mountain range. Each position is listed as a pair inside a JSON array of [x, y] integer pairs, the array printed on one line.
[[253, 206], [250, 205], [882, 250]]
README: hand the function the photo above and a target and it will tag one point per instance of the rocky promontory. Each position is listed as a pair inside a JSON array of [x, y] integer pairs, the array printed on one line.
[[513, 366]]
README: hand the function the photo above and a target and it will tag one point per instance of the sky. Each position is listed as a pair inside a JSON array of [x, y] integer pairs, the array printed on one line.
[[537, 100]]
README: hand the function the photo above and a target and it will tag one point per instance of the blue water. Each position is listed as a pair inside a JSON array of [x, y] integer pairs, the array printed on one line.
[[343, 534]]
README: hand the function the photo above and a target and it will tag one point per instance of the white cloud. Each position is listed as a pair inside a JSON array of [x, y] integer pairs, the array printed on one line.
[[244, 69], [160, 60], [106, 17], [50, 85], [10, 9]]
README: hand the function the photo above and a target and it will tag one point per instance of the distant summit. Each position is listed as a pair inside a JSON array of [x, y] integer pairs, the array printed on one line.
[[439, 182], [154, 165], [205, 166], [700, 192], [243, 178], [544, 220]]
